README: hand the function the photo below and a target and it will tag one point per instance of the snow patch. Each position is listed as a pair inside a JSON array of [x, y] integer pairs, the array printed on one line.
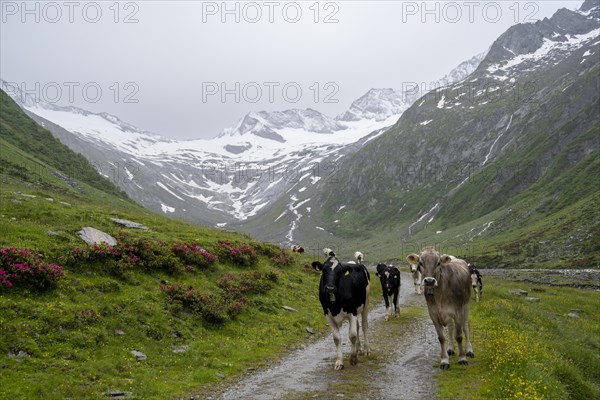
[[166, 209]]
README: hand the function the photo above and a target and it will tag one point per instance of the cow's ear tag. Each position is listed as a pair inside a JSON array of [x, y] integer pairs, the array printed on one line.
[[347, 273]]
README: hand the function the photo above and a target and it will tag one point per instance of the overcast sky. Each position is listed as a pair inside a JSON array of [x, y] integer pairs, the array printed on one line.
[[189, 69]]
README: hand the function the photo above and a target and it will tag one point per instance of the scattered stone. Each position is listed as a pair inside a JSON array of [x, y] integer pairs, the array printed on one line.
[[13, 219], [251, 369], [288, 308], [19, 356], [220, 376], [64, 203], [26, 195], [51, 233], [180, 349], [129, 224], [119, 332], [16, 201], [311, 331], [533, 299], [176, 335], [165, 282], [139, 355], [94, 236], [518, 292], [49, 199], [118, 394], [574, 313]]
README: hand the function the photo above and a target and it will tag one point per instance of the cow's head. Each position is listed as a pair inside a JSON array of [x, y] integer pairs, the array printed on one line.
[[331, 273], [474, 274], [413, 268], [430, 262], [387, 277]]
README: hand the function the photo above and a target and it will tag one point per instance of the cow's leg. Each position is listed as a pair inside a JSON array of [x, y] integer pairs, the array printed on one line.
[[397, 303], [419, 283], [337, 339], [467, 332], [386, 300], [450, 346], [458, 330], [445, 361], [353, 336], [366, 350], [476, 293]]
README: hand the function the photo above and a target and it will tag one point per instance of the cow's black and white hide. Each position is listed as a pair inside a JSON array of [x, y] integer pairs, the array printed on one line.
[[389, 276], [476, 281], [344, 294]]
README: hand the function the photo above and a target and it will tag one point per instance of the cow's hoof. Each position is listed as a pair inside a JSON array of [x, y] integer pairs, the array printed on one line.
[[338, 366], [470, 354], [387, 317], [450, 352], [353, 359], [444, 366], [463, 362]]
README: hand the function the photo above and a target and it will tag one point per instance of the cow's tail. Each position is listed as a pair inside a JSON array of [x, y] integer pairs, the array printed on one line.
[[359, 257]]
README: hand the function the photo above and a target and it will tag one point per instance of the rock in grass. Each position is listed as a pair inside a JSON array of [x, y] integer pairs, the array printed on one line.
[[139, 355], [288, 308], [94, 236], [180, 349], [118, 394], [129, 224], [311, 331], [220, 376], [119, 332], [533, 299], [518, 292], [19, 356]]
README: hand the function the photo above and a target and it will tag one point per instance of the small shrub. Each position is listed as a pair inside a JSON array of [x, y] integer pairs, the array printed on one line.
[[241, 254], [86, 316], [23, 267], [283, 259], [207, 305], [194, 254]]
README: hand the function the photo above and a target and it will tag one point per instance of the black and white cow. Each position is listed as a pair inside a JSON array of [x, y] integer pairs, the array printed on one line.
[[417, 275], [476, 281], [389, 276], [344, 294]]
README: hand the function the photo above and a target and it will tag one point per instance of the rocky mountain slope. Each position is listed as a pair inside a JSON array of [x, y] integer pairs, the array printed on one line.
[[503, 154], [239, 174]]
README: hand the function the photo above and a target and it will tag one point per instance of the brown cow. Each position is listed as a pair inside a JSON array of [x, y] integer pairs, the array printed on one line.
[[447, 284]]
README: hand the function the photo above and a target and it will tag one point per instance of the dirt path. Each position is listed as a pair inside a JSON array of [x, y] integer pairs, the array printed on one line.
[[404, 351]]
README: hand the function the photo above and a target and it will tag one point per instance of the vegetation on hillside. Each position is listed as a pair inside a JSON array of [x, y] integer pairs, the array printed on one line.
[[163, 313]]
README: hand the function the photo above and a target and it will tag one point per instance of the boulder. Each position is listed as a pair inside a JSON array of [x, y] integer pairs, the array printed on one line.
[[129, 224], [518, 292], [139, 355], [180, 349], [94, 236]]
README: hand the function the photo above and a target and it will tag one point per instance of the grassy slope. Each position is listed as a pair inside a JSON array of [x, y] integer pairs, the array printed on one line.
[[67, 359]]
